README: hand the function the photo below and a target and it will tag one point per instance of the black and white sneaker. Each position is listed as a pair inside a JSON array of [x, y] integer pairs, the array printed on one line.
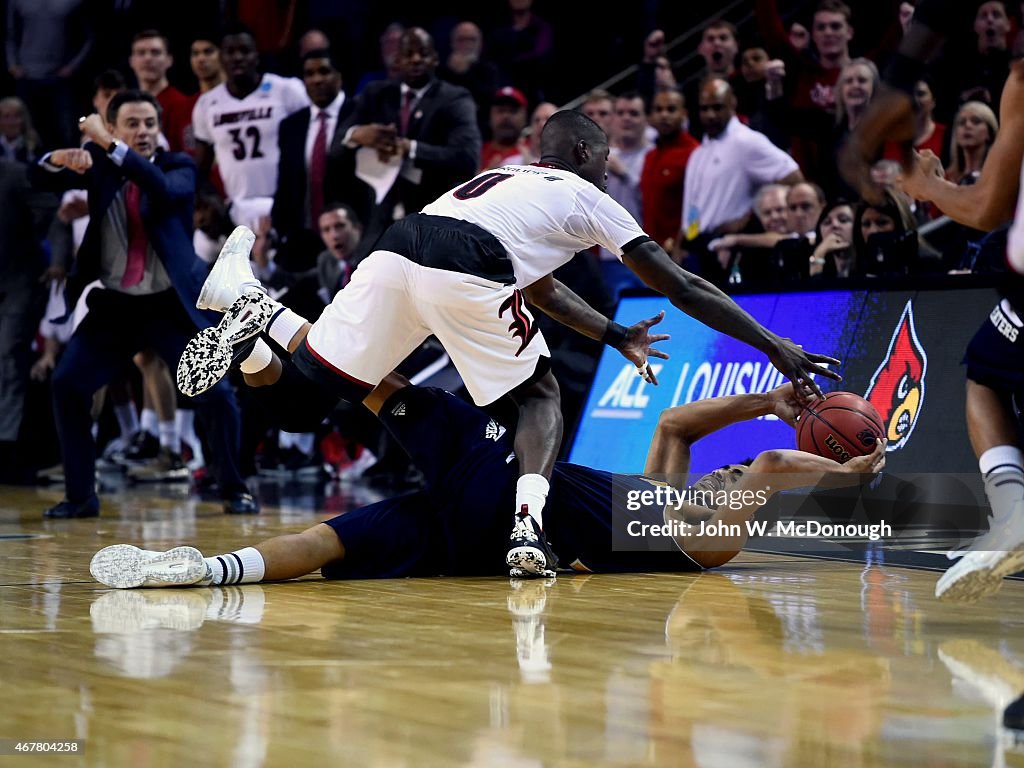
[[529, 554], [208, 356]]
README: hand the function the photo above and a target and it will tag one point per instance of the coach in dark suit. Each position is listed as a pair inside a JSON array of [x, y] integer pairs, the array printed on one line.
[[308, 175], [139, 245], [427, 122]]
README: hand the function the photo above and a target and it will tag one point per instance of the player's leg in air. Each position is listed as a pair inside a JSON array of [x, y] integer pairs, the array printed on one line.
[[389, 308]]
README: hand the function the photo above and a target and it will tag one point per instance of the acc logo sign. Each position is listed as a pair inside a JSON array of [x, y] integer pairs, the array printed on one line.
[[897, 388]]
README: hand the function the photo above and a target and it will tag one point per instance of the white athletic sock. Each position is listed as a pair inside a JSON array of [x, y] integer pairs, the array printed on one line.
[[258, 359], [149, 422], [127, 419], [532, 490], [169, 436], [243, 566], [284, 325], [1002, 468]]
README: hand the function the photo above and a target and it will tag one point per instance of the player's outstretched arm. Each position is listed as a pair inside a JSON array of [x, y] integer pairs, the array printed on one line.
[[703, 301], [559, 302]]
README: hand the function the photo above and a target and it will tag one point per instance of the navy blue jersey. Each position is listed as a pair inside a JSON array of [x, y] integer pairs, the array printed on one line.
[[460, 526]]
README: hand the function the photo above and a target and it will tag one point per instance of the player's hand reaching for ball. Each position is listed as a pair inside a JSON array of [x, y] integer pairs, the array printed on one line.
[[871, 464], [637, 346], [785, 404], [800, 366]]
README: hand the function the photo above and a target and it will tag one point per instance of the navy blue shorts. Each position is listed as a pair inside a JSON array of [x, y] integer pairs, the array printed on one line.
[[461, 524], [993, 358]]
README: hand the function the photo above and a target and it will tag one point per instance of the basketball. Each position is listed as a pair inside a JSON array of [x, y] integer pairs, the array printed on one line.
[[841, 426]]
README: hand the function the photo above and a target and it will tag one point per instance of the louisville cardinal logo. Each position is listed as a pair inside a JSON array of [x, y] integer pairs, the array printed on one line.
[[522, 323], [897, 388]]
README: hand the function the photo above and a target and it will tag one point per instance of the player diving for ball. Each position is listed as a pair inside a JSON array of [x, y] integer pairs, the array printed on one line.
[[463, 270], [456, 525]]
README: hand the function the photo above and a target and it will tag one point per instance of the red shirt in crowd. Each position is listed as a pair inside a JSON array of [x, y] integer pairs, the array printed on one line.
[[177, 118], [661, 185]]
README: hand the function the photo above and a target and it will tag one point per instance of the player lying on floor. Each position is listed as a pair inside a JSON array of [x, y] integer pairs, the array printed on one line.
[[456, 527]]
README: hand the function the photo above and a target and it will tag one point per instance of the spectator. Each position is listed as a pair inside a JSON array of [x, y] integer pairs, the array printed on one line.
[[798, 37], [313, 40], [390, 42], [19, 141], [834, 255], [508, 119], [760, 93], [529, 146], [425, 123], [523, 49], [906, 16], [804, 203], [885, 237], [718, 47], [978, 73], [23, 219], [749, 256], [858, 83], [237, 123], [466, 66], [928, 134], [629, 147], [664, 171], [653, 60], [150, 283], [204, 59], [47, 44], [599, 106], [726, 169], [212, 226], [974, 131], [150, 60], [811, 77], [307, 175], [341, 231]]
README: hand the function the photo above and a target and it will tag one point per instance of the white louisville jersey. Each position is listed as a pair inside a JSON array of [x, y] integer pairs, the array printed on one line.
[[243, 132], [543, 216]]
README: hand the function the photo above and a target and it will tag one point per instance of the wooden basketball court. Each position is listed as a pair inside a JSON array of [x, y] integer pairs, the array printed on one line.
[[771, 661]]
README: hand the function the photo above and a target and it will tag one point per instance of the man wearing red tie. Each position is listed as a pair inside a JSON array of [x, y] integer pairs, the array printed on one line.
[[422, 122], [139, 246], [308, 178]]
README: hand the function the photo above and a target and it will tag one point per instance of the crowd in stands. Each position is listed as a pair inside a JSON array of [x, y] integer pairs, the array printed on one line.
[[732, 166]]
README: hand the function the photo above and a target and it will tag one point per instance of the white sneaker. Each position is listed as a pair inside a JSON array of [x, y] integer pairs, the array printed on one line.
[[208, 356], [231, 275], [982, 567], [123, 566]]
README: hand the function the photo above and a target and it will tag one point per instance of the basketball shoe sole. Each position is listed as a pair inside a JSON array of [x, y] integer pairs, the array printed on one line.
[[208, 355], [123, 566], [979, 574]]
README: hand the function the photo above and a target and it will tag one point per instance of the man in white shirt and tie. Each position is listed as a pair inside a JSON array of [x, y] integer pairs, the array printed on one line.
[[308, 177]]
